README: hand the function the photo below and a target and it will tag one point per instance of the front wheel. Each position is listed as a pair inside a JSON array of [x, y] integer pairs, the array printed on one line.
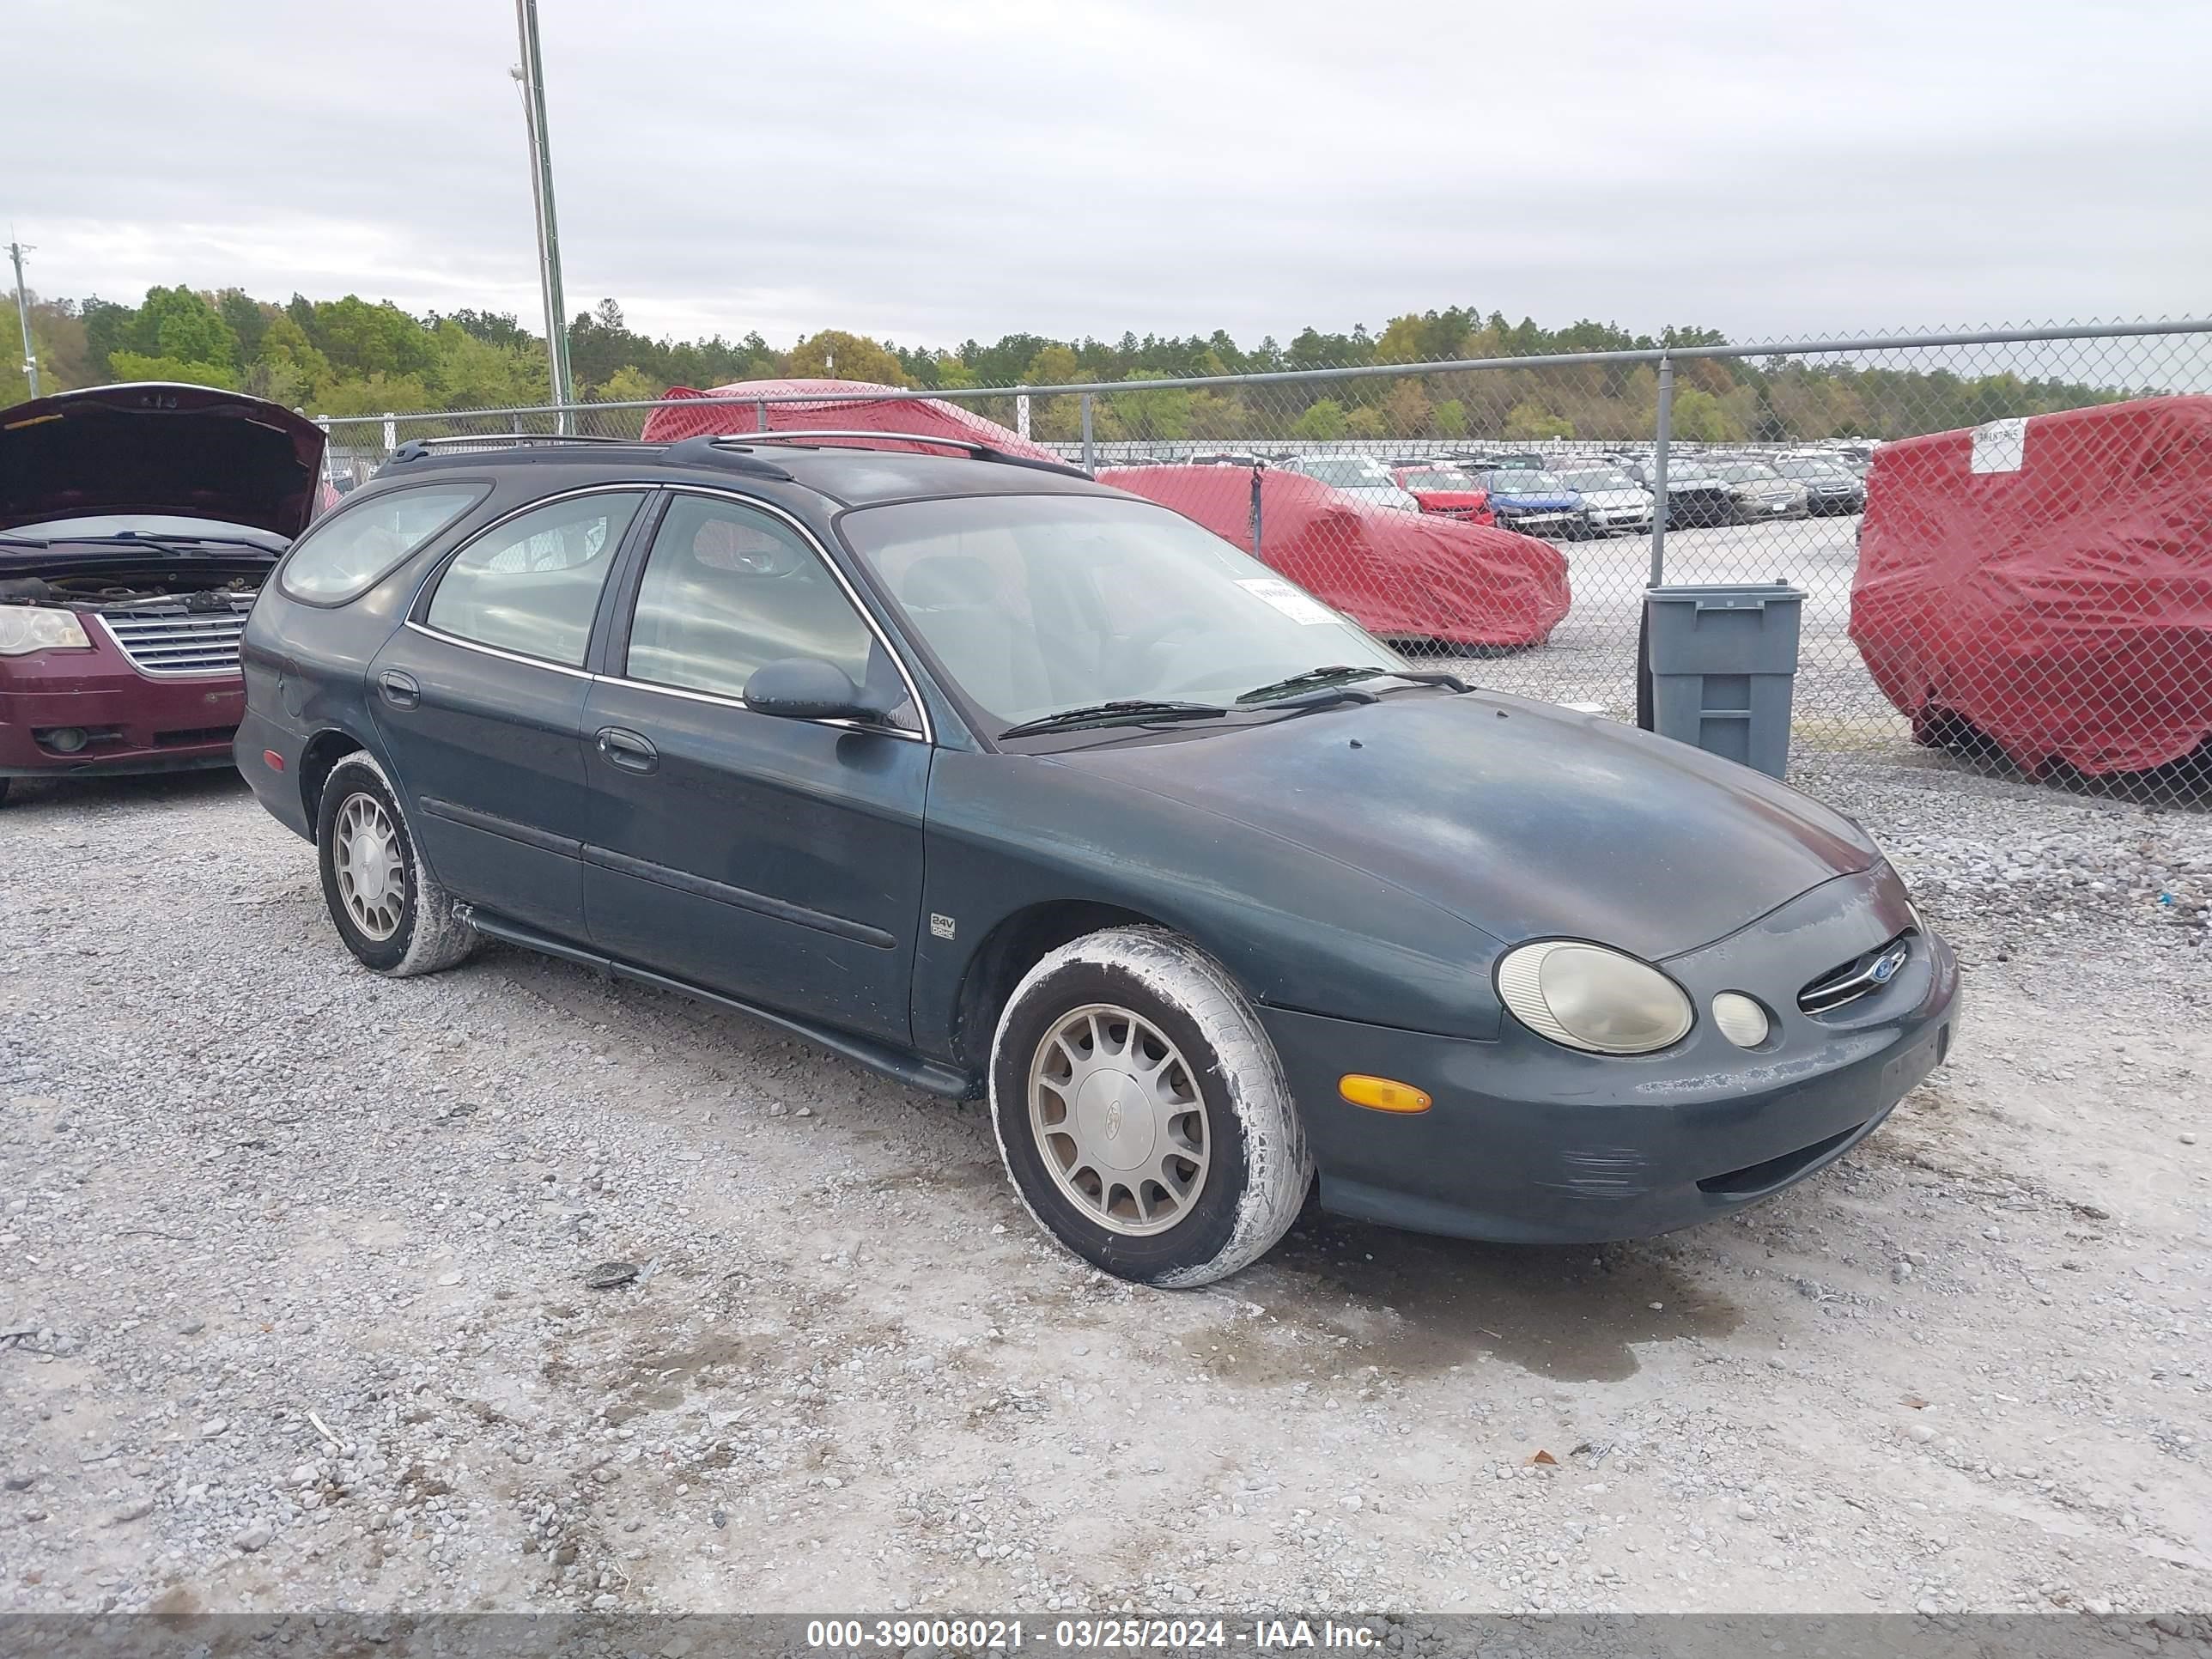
[[389, 908], [1141, 1112]]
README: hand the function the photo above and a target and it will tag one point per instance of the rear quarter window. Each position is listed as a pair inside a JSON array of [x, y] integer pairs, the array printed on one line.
[[344, 556]]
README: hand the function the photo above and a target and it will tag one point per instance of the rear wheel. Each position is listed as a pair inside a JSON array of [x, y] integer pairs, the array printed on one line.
[[1141, 1112], [388, 908]]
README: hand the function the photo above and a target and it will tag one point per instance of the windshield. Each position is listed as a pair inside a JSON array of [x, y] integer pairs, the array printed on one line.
[[150, 525], [1346, 472], [1742, 472], [1597, 478], [1439, 478], [1515, 481], [1037, 603]]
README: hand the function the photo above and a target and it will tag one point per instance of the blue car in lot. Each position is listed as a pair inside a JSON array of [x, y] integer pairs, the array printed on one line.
[[1534, 502], [1008, 784]]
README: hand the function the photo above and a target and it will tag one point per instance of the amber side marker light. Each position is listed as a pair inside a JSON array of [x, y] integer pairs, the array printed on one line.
[[1381, 1094]]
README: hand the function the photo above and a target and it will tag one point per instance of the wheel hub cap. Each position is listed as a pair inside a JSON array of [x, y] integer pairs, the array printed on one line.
[[1117, 1115], [371, 871]]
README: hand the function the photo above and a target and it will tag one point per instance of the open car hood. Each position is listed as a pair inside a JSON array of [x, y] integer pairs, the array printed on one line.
[[192, 450]]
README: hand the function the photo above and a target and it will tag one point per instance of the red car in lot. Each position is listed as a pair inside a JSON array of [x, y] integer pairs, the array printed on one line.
[[1405, 576], [136, 524], [2045, 585], [1446, 491]]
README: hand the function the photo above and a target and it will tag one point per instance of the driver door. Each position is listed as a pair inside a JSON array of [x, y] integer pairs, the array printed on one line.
[[777, 860]]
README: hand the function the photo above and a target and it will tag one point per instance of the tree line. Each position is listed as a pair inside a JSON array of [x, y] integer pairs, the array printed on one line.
[[351, 356]]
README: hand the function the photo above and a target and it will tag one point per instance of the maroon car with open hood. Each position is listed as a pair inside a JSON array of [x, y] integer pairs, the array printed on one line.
[[136, 524]]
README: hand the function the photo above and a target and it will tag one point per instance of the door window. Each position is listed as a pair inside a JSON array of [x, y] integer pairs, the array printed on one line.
[[727, 588], [532, 584]]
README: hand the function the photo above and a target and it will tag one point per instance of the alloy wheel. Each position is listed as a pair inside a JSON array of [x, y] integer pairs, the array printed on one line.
[[370, 867], [1118, 1115]]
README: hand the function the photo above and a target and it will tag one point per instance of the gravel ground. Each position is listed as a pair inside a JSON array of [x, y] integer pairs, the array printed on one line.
[[295, 1311]]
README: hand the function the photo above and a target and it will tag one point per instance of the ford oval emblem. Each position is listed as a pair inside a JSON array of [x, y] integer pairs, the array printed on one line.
[[1886, 966]]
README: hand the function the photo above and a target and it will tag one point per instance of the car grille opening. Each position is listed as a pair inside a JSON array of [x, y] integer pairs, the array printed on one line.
[[1754, 1178], [172, 640], [1862, 976], [194, 736]]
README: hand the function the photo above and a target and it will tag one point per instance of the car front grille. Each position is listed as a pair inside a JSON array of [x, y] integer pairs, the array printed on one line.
[[167, 641], [1860, 976]]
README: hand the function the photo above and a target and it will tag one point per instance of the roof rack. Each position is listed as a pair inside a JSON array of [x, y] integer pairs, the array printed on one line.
[[979, 450], [414, 448]]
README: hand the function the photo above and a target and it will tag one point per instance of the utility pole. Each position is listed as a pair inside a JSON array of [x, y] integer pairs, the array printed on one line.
[[530, 77], [15, 251]]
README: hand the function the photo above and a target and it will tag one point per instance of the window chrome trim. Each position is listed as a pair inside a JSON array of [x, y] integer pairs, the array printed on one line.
[[928, 733], [417, 602], [546, 663], [723, 701]]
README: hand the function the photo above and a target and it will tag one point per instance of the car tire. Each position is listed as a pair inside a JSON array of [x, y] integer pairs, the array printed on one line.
[[4, 782], [1134, 1031], [403, 923]]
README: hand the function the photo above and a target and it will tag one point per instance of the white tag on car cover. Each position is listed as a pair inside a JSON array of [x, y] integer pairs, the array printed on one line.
[[2000, 447], [1298, 607]]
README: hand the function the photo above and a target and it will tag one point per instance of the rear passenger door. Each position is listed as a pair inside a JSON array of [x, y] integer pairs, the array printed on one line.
[[777, 860], [480, 699]]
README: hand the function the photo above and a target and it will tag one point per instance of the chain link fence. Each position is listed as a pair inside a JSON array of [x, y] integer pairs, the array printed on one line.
[[2004, 536]]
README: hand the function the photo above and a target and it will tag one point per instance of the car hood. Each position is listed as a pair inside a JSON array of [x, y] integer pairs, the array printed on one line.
[[1448, 497], [187, 450], [1563, 501], [1524, 820], [1616, 497]]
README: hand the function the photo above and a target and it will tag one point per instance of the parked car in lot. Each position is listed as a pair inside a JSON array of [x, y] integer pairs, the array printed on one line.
[[1830, 487], [2043, 588], [136, 524], [1008, 783], [1358, 476], [1612, 500], [1696, 496], [1417, 578], [1756, 491], [1534, 502], [1448, 490]]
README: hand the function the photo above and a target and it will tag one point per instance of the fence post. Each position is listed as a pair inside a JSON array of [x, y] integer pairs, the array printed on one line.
[[1663, 433], [1021, 413], [391, 432], [759, 410], [1090, 450], [1255, 512]]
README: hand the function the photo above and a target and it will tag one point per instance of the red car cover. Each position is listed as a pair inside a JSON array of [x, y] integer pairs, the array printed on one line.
[[679, 416], [2048, 580], [1403, 575]]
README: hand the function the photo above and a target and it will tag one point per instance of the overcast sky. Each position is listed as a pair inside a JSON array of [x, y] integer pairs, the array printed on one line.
[[930, 172]]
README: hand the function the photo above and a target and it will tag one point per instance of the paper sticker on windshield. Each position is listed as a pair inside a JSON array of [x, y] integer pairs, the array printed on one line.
[[1298, 607], [2000, 447]]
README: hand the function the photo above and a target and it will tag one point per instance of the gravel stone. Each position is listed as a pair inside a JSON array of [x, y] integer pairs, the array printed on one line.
[[848, 1350]]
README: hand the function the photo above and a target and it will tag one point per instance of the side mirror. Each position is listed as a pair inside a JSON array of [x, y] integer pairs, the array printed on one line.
[[808, 689]]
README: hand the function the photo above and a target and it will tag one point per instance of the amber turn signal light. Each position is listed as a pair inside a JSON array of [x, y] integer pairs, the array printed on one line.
[[1381, 1094]]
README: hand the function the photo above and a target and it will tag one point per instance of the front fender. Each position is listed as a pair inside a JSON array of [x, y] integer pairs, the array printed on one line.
[[1296, 929]]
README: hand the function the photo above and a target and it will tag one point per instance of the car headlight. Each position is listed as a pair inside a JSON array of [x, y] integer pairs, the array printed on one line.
[[26, 628], [1587, 997]]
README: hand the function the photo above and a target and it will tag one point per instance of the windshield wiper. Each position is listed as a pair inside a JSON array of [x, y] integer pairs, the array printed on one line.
[[1343, 674], [1120, 711]]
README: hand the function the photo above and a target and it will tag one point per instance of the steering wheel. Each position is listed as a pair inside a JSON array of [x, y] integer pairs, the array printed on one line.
[[1135, 650]]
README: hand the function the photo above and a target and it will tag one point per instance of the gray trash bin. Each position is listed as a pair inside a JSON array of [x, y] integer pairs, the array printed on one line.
[[1721, 659]]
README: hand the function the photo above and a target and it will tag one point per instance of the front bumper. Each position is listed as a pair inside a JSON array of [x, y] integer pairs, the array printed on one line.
[[132, 723], [1530, 1143]]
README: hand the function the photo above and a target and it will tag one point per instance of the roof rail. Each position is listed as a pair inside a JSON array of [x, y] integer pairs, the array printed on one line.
[[976, 449], [414, 448]]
